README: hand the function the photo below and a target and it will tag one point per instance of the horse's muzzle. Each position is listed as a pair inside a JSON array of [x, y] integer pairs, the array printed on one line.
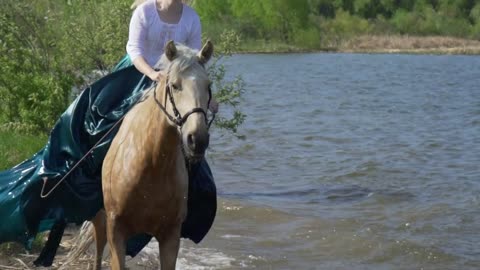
[[196, 144]]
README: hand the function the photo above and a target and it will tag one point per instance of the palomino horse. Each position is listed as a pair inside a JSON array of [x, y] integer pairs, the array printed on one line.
[[144, 174]]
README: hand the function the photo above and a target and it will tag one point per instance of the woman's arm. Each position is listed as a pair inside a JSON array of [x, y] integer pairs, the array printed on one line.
[[136, 42], [146, 69]]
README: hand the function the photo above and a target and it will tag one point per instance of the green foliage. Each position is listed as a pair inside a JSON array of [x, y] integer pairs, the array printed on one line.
[[49, 46], [94, 38], [325, 8], [310, 38], [475, 17], [475, 13], [228, 93], [33, 85], [370, 9], [313, 24], [343, 26], [405, 22], [15, 147]]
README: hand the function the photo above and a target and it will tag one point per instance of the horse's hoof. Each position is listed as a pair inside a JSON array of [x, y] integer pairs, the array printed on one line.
[[43, 262]]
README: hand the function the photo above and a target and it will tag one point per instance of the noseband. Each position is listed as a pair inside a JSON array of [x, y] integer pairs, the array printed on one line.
[[178, 119]]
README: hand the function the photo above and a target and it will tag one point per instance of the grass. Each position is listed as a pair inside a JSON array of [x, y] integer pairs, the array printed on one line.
[[15, 147], [264, 46], [9, 249]]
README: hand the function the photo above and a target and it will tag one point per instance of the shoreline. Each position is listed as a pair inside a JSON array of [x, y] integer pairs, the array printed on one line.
[[440, 51], [429, 45]]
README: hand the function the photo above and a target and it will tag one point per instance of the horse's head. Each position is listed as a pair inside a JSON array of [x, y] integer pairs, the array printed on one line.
[[188, 95]]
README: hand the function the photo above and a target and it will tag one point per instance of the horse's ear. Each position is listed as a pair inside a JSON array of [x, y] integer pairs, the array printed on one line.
[[171, 50], [206, 53]]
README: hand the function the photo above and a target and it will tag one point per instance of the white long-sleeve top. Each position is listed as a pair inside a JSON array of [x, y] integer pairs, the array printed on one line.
[[148, 34]]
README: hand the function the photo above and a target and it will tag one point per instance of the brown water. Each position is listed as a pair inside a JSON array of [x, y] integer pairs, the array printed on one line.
[[349, 162]]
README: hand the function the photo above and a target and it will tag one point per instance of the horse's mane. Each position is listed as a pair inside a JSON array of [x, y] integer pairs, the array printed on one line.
[[187, 59]]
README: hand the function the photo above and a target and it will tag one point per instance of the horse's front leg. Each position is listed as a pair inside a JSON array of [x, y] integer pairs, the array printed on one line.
[[169, 244], [100, 229], [50, 249], [117, 242]]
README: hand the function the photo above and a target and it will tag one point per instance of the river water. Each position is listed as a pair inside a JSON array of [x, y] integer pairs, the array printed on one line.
[[348, 161]]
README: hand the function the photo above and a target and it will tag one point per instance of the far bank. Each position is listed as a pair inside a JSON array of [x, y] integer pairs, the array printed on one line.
[[373, 44]]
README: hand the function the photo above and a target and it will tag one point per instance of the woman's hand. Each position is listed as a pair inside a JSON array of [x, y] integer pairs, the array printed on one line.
[[155, 75], [146, 69]]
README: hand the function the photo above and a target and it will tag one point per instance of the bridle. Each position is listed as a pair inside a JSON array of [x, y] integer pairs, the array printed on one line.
[[177, 118]]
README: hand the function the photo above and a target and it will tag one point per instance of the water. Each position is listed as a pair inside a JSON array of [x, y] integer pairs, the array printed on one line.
[[349, 162]]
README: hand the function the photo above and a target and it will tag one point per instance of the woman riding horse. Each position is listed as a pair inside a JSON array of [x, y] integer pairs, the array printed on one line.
[[144, 174], [31, 198]]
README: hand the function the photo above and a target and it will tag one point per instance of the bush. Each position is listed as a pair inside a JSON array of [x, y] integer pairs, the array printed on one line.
[[475, 14], [344, 26], [475, 31], [34, 88], [228, 93], [307, 38], [405, 22], [47, 47]]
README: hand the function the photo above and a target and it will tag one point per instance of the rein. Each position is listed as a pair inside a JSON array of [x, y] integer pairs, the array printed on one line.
[[45, 179]]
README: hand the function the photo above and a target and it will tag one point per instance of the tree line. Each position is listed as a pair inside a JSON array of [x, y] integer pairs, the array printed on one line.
[[322, 23]]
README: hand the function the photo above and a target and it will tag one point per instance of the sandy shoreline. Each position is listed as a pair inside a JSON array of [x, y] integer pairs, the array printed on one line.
[[18, 258], [395, 44]]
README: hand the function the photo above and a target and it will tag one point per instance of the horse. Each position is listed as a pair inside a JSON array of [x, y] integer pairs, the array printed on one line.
[[144, 173]]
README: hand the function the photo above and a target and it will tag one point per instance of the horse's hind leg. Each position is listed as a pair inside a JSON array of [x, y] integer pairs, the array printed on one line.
[[169, 244], [117, 243], [100, 226]]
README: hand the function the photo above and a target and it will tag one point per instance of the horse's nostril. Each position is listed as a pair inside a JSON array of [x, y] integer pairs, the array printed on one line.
[[197, 143]]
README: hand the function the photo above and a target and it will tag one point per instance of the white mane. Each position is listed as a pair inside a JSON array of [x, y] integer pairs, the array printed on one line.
[[187, 59]]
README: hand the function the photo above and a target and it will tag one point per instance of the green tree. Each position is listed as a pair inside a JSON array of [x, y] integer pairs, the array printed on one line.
[[323, 8], [475, 17], [214, 15], [49, 46], [34, 87]]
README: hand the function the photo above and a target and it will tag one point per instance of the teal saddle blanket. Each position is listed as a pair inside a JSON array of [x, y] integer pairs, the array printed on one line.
[[23, 213]]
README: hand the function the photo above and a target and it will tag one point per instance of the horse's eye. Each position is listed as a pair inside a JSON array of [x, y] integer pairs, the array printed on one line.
[[175, 87]]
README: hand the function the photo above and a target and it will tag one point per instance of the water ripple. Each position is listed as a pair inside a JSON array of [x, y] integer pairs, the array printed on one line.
[[383, 149]]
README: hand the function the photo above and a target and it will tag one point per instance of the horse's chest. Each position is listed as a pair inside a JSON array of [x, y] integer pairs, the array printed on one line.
[[159, 198]]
